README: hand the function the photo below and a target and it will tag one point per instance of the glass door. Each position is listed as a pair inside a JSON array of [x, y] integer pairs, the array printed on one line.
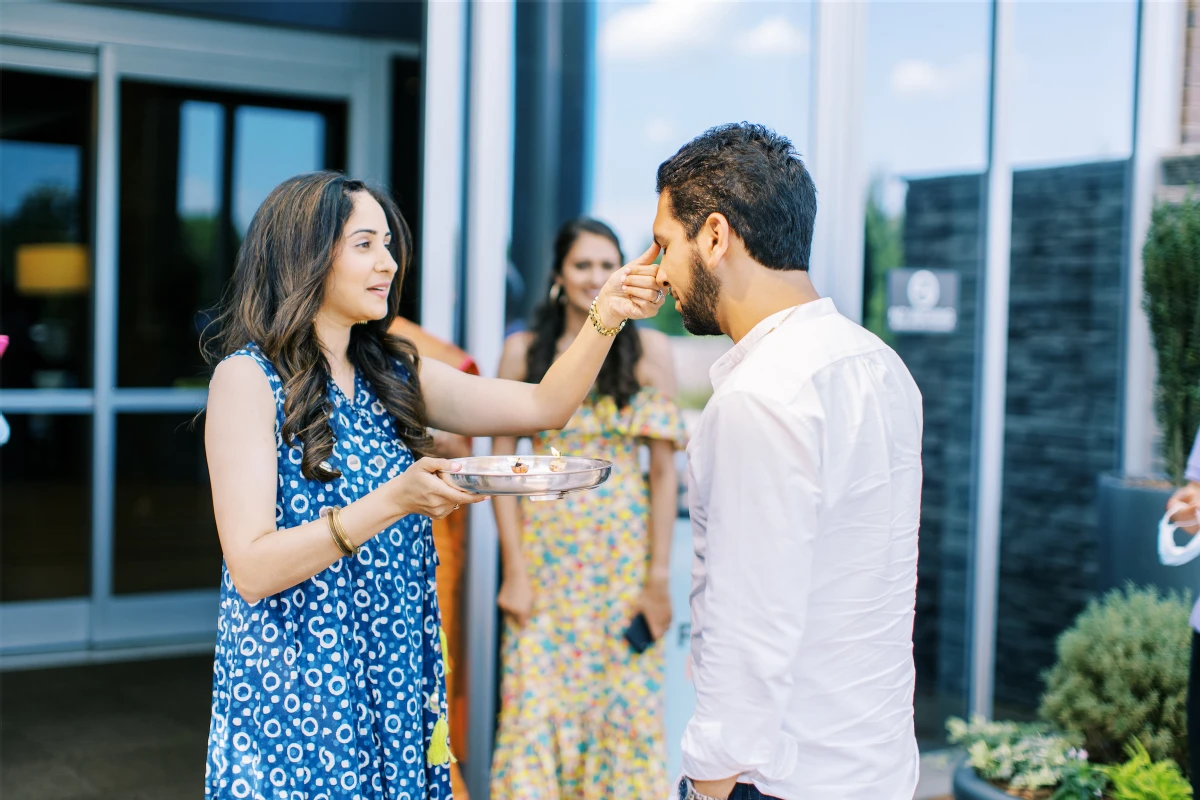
[[196, 160], [195, 165], [128, 177], [47, 164]]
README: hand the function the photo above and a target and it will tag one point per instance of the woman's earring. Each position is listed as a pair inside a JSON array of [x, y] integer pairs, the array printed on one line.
[[555, 292]]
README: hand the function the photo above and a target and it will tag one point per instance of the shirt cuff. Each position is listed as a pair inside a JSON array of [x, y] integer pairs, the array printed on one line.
[[711, 752]]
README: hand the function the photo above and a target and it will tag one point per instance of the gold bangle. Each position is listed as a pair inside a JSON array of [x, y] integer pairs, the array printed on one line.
[[594, 316], [338, 533], [333, 534], [349, 547]]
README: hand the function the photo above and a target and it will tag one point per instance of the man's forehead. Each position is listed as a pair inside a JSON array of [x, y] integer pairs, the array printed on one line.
[[662, 217]]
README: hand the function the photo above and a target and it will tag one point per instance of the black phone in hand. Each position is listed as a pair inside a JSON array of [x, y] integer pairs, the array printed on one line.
[[638, 634]]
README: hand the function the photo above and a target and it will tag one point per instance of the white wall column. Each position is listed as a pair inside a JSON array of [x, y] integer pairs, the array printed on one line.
[[1157, 132], [489, 228], [835, 160], [445, 94]]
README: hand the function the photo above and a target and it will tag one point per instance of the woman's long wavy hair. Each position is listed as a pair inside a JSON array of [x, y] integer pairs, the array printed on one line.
[[618, 376], [278, 286]]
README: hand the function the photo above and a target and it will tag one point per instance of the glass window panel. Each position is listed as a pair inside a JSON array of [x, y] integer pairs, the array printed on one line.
[[1072, 81], [45, 230], [664, 73], [405, 182], [195, 165], [45, 507], [925, 137], [200, 189], [270, 146], [165, 535], [1070, 129], [753, 60]]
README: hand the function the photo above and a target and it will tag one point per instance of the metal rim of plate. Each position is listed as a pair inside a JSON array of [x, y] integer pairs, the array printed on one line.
[[493, 476]]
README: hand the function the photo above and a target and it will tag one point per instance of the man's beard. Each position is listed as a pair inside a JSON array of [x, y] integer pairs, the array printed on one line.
[[699, 312]]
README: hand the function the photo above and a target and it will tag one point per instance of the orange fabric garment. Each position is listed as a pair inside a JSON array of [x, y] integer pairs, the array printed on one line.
[[449, 537], [430, 346]]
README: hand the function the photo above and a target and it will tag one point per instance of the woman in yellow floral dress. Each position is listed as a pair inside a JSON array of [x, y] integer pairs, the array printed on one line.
[[581, 714]]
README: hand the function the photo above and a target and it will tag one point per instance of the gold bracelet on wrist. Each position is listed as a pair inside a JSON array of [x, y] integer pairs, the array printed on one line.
[[347, 544], [594, 316], [338, 533]]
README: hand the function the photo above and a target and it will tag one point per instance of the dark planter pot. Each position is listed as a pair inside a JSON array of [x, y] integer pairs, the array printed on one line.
[[1127, 527], [969, 786]]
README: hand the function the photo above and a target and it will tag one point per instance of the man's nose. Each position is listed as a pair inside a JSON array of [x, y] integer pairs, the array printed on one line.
[[660, 278]]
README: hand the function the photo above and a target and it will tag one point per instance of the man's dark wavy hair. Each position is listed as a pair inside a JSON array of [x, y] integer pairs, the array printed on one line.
[[755, 178]]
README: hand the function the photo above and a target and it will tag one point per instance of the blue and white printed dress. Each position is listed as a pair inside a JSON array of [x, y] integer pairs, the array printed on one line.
[[335, 688]]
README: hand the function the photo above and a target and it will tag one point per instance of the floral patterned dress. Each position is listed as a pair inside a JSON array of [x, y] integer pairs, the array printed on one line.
[[581, 714], [335, 688]]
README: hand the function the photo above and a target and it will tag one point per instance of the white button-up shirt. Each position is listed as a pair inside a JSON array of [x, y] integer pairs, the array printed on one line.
[[804, 479]]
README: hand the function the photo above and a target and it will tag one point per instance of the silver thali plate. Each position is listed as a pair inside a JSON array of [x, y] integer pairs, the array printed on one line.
[[493, 476]]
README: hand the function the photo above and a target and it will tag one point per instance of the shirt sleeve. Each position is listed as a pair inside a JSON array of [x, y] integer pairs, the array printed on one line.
[[1193, 465], [762, 482]]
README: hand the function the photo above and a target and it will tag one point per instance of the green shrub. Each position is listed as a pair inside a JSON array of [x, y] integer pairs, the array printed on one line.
[[1121, 676], [1171, 282], [1140, 778]]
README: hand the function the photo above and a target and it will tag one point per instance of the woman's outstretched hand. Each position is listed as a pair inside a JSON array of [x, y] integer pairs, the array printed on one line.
[[631, 292]]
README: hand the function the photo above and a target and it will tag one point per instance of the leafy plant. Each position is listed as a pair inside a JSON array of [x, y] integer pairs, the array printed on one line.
[[883, 251], [1025, 756], [1141, 778], [1171, 283], [1121, 675], [1082, 781], [993, 733]]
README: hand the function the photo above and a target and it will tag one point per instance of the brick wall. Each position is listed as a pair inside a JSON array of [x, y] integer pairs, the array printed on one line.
[[1062, 414], [943, 231], [1061, 421]]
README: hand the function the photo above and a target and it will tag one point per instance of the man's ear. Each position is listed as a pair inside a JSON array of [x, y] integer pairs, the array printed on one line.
[[713, 239]]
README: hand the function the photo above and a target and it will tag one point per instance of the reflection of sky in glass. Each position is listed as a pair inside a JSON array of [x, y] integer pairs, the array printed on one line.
[[271, 145], [201, 141], [925, 93], [25, 166], [1072, 81], [1070, 84], [926, 87], [666, 71]]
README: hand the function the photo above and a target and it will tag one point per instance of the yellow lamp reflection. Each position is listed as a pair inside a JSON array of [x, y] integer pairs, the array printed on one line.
[[52, 269]]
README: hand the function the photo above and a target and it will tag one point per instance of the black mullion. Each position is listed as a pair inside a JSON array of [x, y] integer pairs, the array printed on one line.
[[226, 248]]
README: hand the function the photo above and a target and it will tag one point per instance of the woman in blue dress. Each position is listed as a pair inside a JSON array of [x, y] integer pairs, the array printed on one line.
[[328, 681]]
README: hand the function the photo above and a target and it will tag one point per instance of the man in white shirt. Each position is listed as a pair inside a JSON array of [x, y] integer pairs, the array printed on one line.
[[805, 490]]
